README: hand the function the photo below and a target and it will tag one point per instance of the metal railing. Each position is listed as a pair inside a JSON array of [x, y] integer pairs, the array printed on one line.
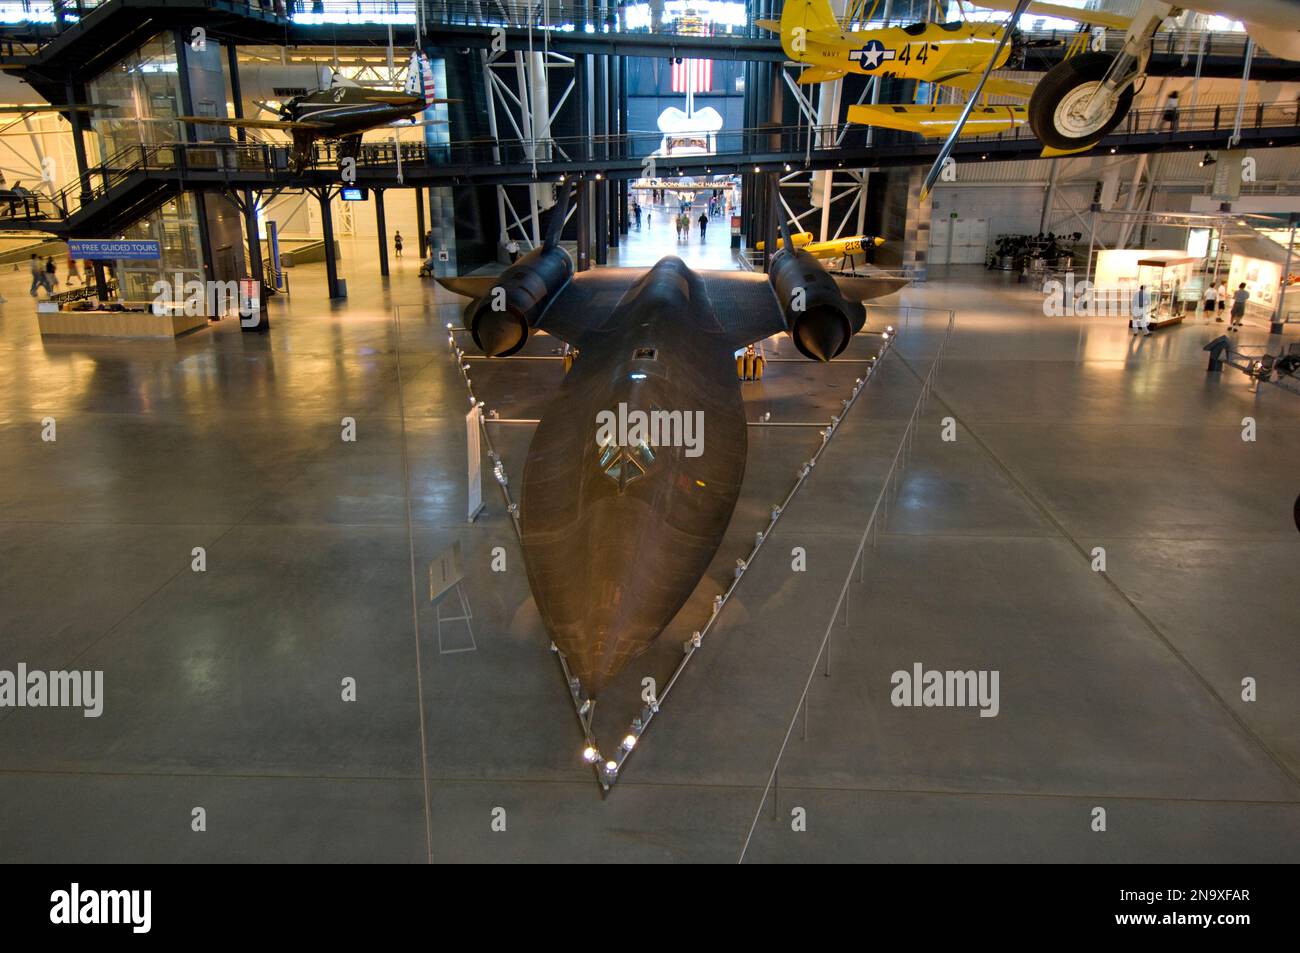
[[47, 18], [879, 512], [231, 160]]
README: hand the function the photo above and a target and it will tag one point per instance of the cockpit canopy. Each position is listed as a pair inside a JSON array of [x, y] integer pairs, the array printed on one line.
[[623, 464]]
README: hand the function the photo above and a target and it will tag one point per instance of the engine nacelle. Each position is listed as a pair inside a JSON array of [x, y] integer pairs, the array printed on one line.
[[820, 320], [500, 319]]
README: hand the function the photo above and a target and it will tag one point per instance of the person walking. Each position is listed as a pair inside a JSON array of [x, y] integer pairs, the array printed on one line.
[[1239, 299], [51, 275], [1210, 295], [38, 276], [1171, 112], [636, 213], [1142, 312], [704, 224], [1222, 297], [397, 243]]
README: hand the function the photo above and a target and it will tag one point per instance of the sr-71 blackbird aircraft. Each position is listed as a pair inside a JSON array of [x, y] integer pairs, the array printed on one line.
[[618, 528]]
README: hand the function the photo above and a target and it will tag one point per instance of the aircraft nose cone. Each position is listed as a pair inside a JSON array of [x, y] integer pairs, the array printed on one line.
[[602, 644], [498, 333], [606, 588], [820, 335]]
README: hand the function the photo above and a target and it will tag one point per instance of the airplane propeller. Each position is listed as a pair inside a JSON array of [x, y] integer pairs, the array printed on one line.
[[933, 175]]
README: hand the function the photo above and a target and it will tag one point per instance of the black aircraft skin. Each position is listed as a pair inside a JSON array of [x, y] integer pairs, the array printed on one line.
[[342, 111], [351, 110], [616, 538], [610, 561]]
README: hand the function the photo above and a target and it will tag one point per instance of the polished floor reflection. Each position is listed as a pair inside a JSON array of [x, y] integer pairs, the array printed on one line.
[[224, 688]]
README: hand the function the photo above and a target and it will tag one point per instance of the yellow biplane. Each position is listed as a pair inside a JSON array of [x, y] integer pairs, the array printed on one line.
[[835, 248], [1071, 109], [954, 54]]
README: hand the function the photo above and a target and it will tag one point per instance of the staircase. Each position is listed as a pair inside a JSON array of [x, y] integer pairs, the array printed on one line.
[[110, 29], [122, 191]]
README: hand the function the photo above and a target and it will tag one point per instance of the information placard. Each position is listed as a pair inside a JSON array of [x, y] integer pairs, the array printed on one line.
[[105, 249]]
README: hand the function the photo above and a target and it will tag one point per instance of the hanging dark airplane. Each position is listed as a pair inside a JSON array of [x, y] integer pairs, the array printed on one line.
[[343, 111], [635, 467]]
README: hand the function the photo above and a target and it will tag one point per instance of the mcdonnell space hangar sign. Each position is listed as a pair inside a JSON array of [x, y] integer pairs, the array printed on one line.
[[102, 249]]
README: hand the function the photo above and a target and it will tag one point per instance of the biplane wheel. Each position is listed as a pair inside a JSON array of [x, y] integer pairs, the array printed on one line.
[[1056, 109]]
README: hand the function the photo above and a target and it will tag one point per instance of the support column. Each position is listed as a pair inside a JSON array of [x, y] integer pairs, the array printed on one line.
[[236, 90], [77, 94], [254, 264], [78, 142], [625, 146], [327, 228], [420, 227], [1279, 316], [771, 214], [181, 43], [916, 226], [382, 227], [1049, 197], [583, 214]]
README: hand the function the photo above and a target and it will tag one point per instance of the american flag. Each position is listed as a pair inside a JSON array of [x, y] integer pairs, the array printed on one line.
[[697, 73]]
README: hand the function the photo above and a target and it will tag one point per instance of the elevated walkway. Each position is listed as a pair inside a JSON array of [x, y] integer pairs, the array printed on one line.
[[138, 179], [93, 33]]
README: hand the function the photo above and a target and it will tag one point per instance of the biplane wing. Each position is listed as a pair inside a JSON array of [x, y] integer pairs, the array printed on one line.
[[1104, 18], [819, 74], [940, 120], [994, 86]]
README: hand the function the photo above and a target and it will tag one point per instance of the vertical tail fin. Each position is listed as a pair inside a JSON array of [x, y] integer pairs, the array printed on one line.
[[809, 15], [419, 78]]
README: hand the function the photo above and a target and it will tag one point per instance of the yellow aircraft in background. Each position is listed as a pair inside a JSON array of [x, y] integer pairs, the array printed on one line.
[[835, 248], [956, 54]]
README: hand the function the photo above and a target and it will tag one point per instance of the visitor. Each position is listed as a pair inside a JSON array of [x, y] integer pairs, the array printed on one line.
[[1171, 112], [1239, 299], [636, 213], [704, 224], [397, 243], [1222, 297], [38, 276], [51, 275], [1142, 312], [1210, 295]]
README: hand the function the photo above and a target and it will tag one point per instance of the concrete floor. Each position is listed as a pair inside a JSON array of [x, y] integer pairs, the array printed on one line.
[[1119, 691]]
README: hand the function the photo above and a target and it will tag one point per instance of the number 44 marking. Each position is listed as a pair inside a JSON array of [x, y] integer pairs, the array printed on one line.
[[922, 53]]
